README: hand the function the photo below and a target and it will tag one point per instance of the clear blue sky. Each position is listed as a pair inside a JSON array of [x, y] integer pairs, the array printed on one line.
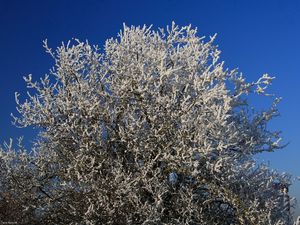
[[255, 36]]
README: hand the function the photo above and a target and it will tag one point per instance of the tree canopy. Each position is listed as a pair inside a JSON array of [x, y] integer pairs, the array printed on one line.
[[150, 130]]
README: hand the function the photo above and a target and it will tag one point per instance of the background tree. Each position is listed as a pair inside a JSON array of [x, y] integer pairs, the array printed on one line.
[[153, 130]]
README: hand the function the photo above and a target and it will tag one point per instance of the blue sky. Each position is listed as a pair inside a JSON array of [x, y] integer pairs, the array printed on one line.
[[255, 36]]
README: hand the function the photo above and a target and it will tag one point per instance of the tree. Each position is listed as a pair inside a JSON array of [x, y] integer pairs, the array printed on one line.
[[152, 130]]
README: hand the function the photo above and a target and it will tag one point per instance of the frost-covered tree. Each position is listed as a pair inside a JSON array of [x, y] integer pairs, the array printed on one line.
[[151, 130]]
